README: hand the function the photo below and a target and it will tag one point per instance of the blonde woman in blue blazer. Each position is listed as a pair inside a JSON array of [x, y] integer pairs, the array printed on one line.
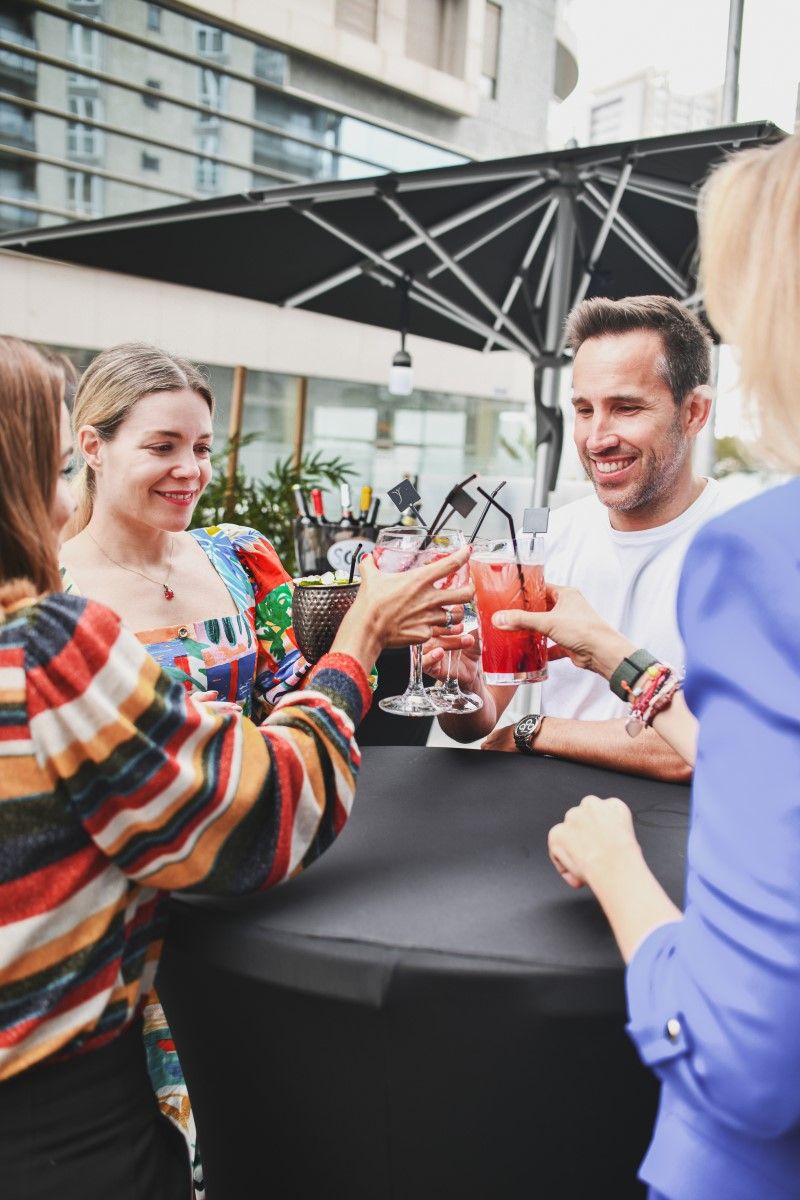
[[714, 991]]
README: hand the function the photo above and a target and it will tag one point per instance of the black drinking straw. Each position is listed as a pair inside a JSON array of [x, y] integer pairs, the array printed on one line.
[[486, 508], [354, 561], [438, 523], [510, 520]]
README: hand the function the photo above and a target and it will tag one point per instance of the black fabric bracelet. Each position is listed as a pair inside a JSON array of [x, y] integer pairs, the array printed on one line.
[[629, 671]]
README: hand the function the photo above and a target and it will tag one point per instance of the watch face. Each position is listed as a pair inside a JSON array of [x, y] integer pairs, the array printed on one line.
[[526, 726]]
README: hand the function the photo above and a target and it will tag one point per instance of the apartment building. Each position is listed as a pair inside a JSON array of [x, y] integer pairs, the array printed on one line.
[[112, 106]]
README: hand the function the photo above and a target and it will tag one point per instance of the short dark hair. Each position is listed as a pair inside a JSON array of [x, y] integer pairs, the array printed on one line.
[[687, 345]]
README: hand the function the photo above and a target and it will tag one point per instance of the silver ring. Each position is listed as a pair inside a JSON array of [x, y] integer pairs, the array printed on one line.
[[448, 619]]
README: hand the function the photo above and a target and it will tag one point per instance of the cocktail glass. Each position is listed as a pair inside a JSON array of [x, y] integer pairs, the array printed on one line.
[[505, 579], [447, 694], [400, 548]]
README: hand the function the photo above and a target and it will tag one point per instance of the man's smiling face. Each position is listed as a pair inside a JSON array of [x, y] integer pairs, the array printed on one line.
[[629, 430]]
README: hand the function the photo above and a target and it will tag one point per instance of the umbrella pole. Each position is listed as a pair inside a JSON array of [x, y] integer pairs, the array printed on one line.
[[548, 439], [234, 434], [300, 419]]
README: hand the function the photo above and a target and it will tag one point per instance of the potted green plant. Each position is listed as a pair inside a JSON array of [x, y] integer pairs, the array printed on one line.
[[266, 503]]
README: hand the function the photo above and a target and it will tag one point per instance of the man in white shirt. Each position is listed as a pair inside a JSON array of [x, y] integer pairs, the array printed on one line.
[[641, 396]]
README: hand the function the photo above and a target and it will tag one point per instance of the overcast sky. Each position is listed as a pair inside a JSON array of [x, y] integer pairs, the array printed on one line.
[[617, 38]]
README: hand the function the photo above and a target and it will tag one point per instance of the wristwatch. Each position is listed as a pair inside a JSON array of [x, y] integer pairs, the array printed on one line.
[[525, 731], [629, 671]]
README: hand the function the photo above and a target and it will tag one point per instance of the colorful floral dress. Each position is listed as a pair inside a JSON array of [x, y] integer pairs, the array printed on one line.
[[251, 658]]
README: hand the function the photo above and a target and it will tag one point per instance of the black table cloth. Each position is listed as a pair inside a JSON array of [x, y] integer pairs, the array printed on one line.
[[429, 1012]]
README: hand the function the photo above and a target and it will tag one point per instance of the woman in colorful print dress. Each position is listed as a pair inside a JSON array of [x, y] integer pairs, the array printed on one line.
[[118, 787], [212, 606]]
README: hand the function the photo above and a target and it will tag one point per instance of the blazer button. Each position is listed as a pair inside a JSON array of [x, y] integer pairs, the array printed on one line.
[[183, 632], [673, 1029]]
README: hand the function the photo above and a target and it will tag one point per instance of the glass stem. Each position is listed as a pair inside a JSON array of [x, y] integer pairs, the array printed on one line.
[[415, 677]]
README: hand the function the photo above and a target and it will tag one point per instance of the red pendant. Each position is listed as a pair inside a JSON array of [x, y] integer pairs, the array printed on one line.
[[168, 592]]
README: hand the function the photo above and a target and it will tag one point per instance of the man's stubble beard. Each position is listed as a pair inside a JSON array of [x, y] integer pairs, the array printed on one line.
[[658, 473]]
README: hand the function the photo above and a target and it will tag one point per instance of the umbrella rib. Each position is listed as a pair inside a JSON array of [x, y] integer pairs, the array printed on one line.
[[516, 282], [463, 276], [599, 243], [410, 243], [656, 189], [639, 242], [445, 308], [547, 270], [457, 312], [527, 211], [625, 237]]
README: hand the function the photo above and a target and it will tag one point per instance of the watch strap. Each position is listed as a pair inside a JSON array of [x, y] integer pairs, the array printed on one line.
[[629, 671], [526, 729]]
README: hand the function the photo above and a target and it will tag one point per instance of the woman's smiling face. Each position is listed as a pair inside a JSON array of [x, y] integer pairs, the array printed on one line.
[[157, 465]]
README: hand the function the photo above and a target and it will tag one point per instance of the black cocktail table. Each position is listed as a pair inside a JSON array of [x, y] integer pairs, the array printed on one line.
[[428, 1013]]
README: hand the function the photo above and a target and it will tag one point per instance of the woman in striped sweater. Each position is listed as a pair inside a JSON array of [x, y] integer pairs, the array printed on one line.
[[116, 788]]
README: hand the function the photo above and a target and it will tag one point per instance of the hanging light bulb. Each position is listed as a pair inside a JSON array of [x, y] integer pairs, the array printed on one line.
[[401, 377]]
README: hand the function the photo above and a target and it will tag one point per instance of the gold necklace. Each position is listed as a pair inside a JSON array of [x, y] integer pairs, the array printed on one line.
[[168, 592]]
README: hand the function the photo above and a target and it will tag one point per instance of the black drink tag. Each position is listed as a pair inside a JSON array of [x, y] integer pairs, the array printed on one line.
[[404, 495], [461, 501]]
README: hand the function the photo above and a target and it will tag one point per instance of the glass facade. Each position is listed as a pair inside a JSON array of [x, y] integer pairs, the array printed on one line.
[[108, 106]]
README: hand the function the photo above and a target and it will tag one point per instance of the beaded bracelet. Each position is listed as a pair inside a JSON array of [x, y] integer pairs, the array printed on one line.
[[653, 692]]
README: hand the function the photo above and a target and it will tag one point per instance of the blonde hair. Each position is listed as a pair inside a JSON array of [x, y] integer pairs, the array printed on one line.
[[750, 274], [111, 386]]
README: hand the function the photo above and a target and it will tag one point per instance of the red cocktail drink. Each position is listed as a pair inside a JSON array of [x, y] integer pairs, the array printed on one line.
[[504, 582]]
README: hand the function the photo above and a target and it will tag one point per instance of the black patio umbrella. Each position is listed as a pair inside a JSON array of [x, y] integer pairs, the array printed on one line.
[[488, 254]]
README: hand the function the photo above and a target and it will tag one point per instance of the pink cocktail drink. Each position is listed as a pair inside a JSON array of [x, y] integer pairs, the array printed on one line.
[[502, 583]]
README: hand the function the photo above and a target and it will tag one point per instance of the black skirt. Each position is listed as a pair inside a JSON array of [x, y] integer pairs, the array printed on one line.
[[89, 1128]]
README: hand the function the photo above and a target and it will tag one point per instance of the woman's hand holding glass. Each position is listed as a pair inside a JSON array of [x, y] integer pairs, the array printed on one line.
[[399, 609]]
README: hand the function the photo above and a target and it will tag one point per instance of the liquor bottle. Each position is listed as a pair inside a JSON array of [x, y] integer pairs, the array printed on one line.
[[346, 522], [306, 535], [316, 500], [364, 502], [304, 517], [369, 527]]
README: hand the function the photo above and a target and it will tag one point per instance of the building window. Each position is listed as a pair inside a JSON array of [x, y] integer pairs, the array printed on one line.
[[154, 18], [84, 141], [209, 89], [359, 17], [150, 162], [207, 172], [605, 121], [436, 34], [491, 49], [270, 65], [16, 125], [211, 41], [83, 46], [84, 194], [152, 101]]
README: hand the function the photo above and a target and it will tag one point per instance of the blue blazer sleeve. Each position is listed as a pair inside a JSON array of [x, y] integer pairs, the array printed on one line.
[[729, 972]]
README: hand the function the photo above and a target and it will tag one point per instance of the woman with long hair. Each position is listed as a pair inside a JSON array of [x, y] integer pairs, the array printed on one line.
[[714, 992], [118, 787], [213, 606]]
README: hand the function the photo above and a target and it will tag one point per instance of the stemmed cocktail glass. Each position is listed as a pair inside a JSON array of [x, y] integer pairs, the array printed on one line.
[[399, 548]]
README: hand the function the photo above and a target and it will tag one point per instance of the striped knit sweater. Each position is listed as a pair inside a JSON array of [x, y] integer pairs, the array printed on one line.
[[116, 788]]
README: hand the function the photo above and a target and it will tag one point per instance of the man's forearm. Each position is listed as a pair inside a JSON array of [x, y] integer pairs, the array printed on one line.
[[468, 727], [606, 744]]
